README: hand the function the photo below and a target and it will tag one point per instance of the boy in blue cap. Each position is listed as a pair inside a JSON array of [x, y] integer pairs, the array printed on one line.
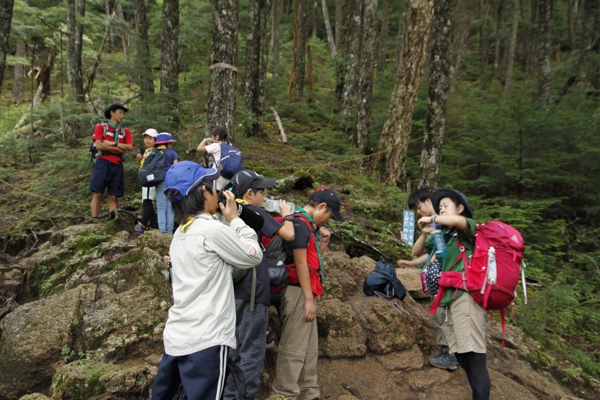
[[201, 324]]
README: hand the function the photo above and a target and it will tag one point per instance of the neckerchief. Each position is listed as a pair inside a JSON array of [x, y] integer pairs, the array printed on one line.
[[117, 128], [183, 227]]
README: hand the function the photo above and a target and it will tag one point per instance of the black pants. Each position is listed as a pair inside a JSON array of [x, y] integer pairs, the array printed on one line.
[[475, 366], [148, 214]]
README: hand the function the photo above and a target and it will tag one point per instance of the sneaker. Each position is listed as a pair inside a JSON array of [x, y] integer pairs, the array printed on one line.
[[139, 228], [444, 361], [270, 340]]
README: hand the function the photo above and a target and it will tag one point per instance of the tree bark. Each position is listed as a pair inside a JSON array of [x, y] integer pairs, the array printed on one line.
[[533, 39], [367, 70], [351, 62], [587, 39], [546, 8], [169, 58], [512, 46], [6, 13], [330, 38], [301, 54], [439, 85], [224, 44], [485, 38], [391, 165], [277, 7], [75, 11], [110, 32], [506, 41], [498, 30], [385, 23], [143, 61], [124, 37], [19, 74], [292, 84], [399, 39], [264, 63], [315, 18], [339, 23], [461, 40], [571, 23], [252, 59]]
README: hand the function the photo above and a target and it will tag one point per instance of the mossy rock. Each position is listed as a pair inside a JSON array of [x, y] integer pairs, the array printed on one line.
[[299, 180], [157, 241], [80, 380]]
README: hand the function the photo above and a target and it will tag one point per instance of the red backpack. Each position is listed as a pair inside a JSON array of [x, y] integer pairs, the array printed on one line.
[[492, 274]]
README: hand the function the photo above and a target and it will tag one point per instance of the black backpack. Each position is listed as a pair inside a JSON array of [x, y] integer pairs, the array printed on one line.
[[380, 279], [232, 369], [154, 169], [276, 259]]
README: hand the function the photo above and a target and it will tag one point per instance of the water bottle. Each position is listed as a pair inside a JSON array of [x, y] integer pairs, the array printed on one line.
[[273, 206], [440, 244]]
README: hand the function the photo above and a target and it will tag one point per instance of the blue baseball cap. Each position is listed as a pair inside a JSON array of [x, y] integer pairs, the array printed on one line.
[[164, 137], [185, 176]]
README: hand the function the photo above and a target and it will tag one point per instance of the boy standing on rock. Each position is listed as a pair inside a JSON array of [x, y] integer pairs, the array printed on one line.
[[420, 201], [252, 311], [298, 347], [201, 324]]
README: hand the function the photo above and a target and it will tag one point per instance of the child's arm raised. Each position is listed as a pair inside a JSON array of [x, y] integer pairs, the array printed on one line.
[[419, 246], [447, 220]]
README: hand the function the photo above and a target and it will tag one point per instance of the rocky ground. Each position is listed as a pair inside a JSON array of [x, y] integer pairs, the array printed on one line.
[[82, 315]]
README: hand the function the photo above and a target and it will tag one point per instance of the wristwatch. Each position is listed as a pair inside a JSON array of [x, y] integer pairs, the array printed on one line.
[[433, 219], [288, 218]]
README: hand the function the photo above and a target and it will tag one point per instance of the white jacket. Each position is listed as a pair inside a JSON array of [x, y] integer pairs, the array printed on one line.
[[203, 311]]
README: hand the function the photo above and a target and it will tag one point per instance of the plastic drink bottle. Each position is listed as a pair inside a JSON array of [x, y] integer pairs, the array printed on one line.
[[273, 206], [440, 244]]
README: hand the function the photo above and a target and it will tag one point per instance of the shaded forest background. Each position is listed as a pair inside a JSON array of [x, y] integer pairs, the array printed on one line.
[[505, 93]]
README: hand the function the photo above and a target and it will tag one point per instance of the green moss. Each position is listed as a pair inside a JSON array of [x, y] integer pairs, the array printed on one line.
[[95, 343]]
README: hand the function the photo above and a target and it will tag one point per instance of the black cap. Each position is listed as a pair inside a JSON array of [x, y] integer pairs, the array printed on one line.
[[114, 107], [329, 197], [455, 195], [248, 179]]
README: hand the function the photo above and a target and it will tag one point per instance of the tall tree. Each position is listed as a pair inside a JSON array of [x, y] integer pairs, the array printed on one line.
[[461, 40], [110, 31], [339, 22], [391, 165], [143, 62], [330, 38], [439, 85], [385, 22], [399, 39], [315, 18], [512, 46], [506, 41], [546, 9], [223, 49], [301, 53], [75, 15], [277, 7], [352, 36], [484, 38], [532, 37], [571, 23], [124, 35], [367, 70], [6, 12], [587, 39], [292, 85], [266, 8], [499, 8], [18, 74], [169, 57]]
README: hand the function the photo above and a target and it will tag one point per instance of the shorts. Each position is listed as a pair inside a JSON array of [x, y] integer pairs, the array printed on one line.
[[108, 175], [467, 322]]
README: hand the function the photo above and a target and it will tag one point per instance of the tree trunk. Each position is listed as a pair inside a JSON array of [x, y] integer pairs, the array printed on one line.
[[461, 41], [339, 23], [546, 8], [277, 7], [301, 54], [399, 39], [385, 22], [498, 30], [330, 39], [252, 60], [391, 165], [110, 31], [587, 39], [19, 74], [224, 44], [315, 18], [124, 37], [580, 9], [367, 70], [506, 41], [485, 39], [351, 62], [143, 61], [292, 85], [512, 47], [6, 13], [43, 76], [264, 63], [439, 85], [75, 10], [533, 39], [571, 23], [169, 58]]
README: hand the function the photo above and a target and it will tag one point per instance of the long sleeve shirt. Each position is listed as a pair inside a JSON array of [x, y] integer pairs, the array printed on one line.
[[203, 311]]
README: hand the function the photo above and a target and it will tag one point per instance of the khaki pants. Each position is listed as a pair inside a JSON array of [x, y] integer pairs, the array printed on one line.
[[468, 321], [298, 349], [440, 327]]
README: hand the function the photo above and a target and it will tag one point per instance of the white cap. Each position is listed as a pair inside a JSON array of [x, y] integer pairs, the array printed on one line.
[[151, 132]]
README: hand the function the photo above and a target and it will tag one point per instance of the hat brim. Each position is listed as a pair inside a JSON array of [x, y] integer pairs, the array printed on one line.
[[113, 108], [440, 194], [337, 215], [265, 183], [166, 141]]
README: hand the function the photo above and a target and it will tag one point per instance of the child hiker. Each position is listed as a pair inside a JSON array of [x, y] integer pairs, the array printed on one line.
[[148, 193], [164, 141]]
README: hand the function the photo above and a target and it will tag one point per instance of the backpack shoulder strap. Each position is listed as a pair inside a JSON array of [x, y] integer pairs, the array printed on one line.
[[105, 126]]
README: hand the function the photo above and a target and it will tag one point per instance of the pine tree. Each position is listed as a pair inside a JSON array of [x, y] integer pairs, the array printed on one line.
[[546, 8], [143, 62], [75, 14], [6, 12], [169, 58]]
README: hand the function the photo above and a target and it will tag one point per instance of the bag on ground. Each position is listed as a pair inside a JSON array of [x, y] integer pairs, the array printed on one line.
[[378, 281]]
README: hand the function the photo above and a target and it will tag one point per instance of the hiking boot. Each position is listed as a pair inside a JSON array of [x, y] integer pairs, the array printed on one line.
[[444, 361], [270, 340], [139, 228]]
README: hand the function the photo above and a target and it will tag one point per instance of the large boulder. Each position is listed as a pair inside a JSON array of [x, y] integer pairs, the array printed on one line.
[[35, 337], [345, 275], [411, 279], [340, 336]]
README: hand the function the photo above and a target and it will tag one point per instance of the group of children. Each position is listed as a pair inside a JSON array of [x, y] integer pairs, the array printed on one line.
[[211, 318]]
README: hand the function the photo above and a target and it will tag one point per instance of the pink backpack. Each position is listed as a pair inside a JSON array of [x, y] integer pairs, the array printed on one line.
[[492, 275]]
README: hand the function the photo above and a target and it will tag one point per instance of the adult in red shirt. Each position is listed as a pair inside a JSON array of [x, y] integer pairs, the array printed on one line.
[[108, 170]]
